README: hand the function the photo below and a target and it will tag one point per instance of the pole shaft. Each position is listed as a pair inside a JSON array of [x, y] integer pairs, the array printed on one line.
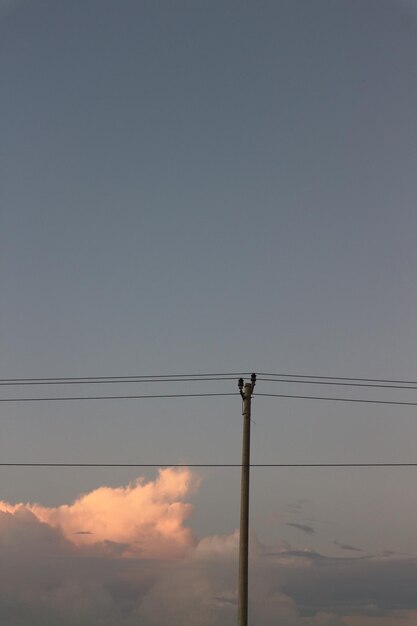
[[244, 511]]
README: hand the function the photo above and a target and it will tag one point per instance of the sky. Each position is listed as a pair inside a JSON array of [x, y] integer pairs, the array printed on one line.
[[206, 186]]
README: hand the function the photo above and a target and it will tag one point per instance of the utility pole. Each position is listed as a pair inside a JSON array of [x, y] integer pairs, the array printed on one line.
[[246, 391]]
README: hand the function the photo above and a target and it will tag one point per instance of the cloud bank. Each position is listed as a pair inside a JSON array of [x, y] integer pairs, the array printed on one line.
[[123, 557]]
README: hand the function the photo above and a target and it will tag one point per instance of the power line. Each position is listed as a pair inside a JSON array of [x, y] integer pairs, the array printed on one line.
[[207, 395], [369, 380], [126, 397], [225, 465], [339, 384], [209, 376], [336, 399], [205, 377], [109, 381], [124, 380]]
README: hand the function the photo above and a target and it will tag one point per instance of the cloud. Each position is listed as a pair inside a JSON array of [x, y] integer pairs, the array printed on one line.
[[45, 579], [50, 574], [298, 505], [203, 590], [146, 517], [345, 546], [363, 586], [309, 530]]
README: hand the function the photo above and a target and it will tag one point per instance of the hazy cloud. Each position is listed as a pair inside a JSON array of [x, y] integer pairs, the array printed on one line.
[[309, 530], [298, 505], [49, 578], [345, 546]]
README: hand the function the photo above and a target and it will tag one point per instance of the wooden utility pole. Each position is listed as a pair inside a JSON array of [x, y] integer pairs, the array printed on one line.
[[246, 391]]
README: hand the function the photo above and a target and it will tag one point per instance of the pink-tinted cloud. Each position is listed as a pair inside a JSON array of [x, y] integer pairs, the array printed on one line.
[[143, 518]]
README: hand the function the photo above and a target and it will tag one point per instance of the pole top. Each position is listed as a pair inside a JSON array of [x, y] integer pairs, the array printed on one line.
[[247, 388]]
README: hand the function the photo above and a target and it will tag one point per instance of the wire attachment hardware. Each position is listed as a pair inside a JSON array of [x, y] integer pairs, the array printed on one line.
[[240, 385]]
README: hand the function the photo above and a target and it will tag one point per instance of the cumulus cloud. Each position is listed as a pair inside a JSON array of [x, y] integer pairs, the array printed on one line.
[[58, 567], [147, 518]]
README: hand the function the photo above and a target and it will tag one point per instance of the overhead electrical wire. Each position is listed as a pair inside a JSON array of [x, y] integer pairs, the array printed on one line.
[[133, 377], [239, 465], [124, 397], [114, 380], [19, 383], [338, 384], [369, 380], [208, 377], [188, 378], [336, 399], [306, 379], [207, 395]]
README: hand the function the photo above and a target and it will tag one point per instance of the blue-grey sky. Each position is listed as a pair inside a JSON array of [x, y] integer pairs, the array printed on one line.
[[211, 187]]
